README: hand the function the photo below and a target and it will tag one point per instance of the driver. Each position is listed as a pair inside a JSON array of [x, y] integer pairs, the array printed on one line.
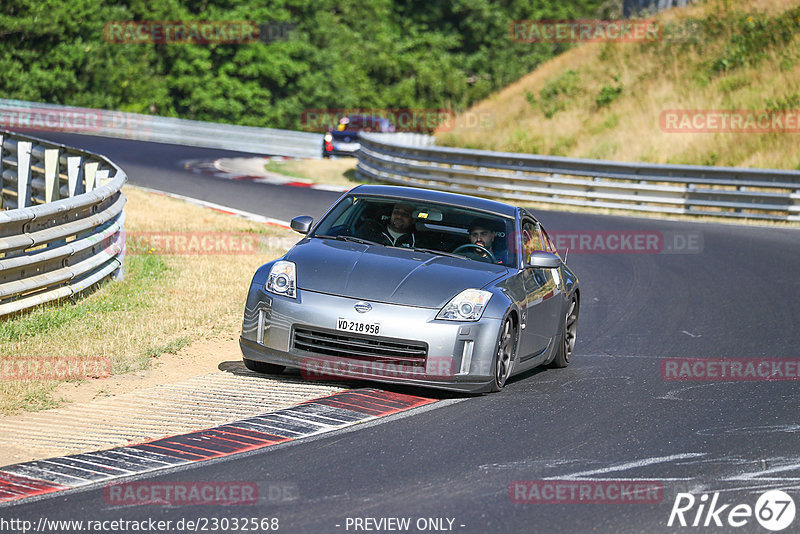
[[482, 234]]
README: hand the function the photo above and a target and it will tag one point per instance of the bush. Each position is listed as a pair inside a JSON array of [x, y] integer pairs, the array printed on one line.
[[607, 95], [554, 95]]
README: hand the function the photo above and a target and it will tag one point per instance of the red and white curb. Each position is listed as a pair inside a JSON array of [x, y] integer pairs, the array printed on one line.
[[309, 418], [253, 169]]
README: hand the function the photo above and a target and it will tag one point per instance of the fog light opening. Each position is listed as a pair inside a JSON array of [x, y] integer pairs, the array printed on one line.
[[466, 357], [262, 321]]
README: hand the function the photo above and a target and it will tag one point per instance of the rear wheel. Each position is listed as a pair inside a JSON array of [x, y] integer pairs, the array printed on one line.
[[568, 334], [263, 367], [504, 355]]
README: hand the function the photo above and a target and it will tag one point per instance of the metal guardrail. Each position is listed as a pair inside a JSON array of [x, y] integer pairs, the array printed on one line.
[[61, 230], [404, 138], [669, 189], [30, 116]]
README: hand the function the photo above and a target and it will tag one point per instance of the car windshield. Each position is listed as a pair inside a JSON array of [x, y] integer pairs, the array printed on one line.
[[424, 226], [377, 124]]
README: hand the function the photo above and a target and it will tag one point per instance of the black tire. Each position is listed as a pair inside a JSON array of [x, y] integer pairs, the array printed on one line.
[[263, 367], [504, 354], [568, 333]]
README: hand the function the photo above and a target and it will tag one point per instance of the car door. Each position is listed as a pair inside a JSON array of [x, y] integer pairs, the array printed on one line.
[[542, 289]]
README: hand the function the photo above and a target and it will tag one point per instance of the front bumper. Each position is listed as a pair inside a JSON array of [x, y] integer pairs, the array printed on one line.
[[349, 152], [459, 355]]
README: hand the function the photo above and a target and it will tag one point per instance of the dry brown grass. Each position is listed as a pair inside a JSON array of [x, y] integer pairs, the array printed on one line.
[[165, 302], [653, 78]]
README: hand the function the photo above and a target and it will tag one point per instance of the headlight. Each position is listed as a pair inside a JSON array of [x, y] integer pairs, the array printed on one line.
[[282, 279], [328, 138], [466, 306]]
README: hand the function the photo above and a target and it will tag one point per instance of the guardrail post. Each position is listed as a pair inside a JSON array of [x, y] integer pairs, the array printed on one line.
[[102, 178], [24, 174], [51, 185], [75, 175], [90, 175]]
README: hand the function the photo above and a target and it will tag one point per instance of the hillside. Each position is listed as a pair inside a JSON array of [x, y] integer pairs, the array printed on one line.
[[610, 100]]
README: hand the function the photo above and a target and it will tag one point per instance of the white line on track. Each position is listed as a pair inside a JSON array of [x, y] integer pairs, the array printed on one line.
[[629, 465], [757, 475]]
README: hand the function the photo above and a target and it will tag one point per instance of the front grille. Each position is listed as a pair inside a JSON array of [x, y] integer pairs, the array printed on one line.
[[373, 349]]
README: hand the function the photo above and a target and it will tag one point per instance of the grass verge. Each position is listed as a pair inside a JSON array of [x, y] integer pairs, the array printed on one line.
[[165, 302], [340, 171]]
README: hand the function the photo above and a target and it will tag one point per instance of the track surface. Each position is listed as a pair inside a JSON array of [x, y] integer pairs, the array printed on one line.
[[609, 415]]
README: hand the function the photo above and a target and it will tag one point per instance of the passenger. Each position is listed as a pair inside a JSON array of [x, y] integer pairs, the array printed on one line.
[[398, 232]]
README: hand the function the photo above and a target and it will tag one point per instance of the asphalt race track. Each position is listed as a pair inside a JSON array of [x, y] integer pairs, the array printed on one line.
[[609, 416]]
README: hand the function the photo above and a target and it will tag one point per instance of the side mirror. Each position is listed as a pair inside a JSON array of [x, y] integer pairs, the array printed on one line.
[[540, 259], [302, 224]]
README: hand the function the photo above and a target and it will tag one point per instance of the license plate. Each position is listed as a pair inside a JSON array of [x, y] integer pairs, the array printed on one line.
[[359, 327]]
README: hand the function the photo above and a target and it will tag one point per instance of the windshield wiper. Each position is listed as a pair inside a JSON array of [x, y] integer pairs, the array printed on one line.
[[440, 253], [349, 238]]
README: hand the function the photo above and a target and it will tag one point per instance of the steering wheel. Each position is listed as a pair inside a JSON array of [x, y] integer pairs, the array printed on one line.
[[488, 257]]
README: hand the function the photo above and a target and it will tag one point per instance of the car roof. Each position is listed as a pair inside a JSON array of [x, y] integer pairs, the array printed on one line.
[[428, 195]]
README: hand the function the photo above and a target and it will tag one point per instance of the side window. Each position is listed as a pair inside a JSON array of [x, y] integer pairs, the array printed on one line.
[[530, 239]]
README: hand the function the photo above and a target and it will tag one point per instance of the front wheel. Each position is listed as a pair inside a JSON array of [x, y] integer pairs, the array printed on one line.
[[263, 367], [568, 334], [504, 355]]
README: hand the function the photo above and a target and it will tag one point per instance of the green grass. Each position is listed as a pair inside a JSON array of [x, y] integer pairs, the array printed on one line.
[[329, 171], [557, 93], [282, 168], [142, 272], [65, 320], [173, 347]]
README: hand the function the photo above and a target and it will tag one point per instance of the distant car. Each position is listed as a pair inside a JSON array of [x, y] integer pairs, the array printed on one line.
[[442, 311], [343, 139]]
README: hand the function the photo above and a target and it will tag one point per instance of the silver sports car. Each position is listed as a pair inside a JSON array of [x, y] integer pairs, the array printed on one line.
[[406, 285]]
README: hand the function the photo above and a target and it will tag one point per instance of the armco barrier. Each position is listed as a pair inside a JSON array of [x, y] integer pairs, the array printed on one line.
[[668, 189], [31, 116], [61, 228]]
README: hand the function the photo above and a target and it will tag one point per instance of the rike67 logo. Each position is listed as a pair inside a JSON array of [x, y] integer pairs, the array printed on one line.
[[774, 510]]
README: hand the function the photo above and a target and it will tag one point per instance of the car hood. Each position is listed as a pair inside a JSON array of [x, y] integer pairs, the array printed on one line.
[[384, 274]]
